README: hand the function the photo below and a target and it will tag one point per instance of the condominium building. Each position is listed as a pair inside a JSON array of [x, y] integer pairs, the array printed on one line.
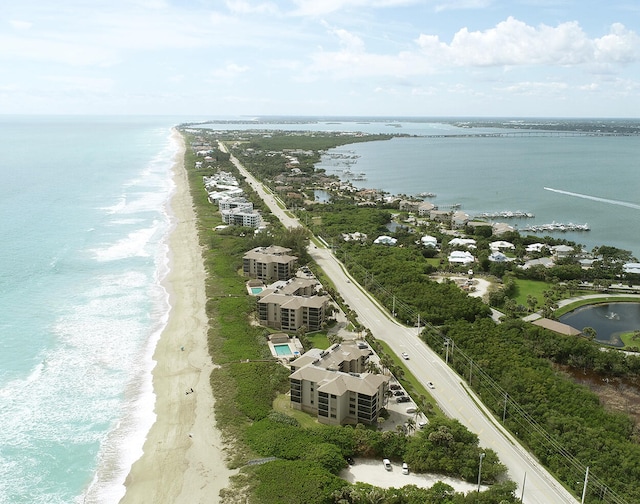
[[288, 312], [269, 263], [333, 385]]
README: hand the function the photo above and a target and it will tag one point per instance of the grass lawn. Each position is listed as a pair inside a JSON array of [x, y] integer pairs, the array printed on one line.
[[319, 340], [631, 339], [282, 404], [526, 288]]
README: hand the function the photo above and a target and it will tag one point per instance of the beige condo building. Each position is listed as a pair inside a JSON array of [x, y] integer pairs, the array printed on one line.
[[334, 385]]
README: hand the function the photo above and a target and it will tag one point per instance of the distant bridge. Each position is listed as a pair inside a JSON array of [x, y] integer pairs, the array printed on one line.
[[536, 134]]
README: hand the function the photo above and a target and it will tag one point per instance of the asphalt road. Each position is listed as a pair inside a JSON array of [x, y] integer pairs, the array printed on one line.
[[453, 397]]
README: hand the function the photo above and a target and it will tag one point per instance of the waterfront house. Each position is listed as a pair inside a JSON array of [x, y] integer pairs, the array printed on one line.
[[560, 251], [499, 245]]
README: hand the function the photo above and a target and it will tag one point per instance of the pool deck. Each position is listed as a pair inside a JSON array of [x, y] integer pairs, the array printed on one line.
[[295, 348]]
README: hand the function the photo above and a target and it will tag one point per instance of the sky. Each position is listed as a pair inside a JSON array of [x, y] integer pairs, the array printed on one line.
[[417, 58]]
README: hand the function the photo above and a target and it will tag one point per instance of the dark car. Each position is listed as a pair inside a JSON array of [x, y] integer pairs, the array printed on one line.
[[402, 399], [394, 386], [398, 393], [350, 460]]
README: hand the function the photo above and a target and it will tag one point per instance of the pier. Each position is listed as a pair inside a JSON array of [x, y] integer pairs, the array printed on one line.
[[556, 226], [506, 214]]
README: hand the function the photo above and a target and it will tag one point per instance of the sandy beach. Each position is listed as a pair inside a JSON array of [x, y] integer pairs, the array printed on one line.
[[183, 459]]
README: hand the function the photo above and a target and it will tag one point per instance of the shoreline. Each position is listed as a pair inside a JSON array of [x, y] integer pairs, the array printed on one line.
[[183, 458]]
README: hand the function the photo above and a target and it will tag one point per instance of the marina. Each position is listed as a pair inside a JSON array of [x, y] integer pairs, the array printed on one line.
[[556, 227], [506, 214]]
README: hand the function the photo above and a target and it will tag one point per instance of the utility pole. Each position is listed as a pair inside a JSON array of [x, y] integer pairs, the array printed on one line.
[[482, 455], [504, 413], [584, 489]]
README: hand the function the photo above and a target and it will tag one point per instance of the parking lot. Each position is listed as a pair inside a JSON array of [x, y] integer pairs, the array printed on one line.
[[374, 473]]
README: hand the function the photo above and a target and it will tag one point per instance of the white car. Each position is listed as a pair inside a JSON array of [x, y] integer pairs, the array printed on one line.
[[387, 464], [405, 468], [405, 355], [430, 385]]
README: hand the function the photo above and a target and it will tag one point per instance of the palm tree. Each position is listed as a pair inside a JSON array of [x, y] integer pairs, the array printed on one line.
[[590, 333], [411, 425]]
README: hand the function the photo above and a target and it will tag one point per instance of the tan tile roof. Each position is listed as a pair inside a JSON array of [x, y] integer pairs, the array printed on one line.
[[556, 326]]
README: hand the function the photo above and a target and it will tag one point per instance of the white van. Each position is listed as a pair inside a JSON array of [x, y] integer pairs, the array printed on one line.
[[411, 409]]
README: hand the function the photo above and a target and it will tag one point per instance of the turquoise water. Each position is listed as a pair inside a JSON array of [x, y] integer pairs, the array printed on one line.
[[256, 290], [84, 205], [83, 230], [282, 350]]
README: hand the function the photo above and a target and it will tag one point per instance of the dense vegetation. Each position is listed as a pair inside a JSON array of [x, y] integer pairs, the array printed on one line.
[[510, 364], [562, 423], [247, 380]]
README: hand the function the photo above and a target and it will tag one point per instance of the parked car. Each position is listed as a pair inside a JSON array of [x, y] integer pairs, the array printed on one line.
[[405, 355], [398, 392], [387, 464], [431, 385], [394, 386], [350, 460], [405, 468], [402, 399], [422, 424]]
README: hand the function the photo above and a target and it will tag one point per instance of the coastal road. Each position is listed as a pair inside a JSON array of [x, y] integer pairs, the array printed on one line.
[[453, 397]]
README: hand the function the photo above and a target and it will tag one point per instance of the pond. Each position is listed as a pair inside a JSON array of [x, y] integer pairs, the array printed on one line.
[[610, 320], [321, 196], [394, 226]]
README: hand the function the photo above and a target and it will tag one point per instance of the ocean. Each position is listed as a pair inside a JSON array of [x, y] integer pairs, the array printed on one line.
[[85, 220]]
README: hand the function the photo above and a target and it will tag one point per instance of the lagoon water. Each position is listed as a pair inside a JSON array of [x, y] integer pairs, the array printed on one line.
[[84, 226], [590, 180]]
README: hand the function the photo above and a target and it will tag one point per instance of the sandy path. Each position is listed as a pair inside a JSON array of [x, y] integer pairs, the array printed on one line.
[[183, 460]]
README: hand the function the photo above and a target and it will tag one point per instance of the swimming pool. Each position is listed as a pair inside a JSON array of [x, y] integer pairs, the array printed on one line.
[[282, 350], [256, 290]]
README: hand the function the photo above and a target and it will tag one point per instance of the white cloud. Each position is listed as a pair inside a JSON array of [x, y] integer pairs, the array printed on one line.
[[228, 72], [349, 41], [20, 25], [244, 7], [536, 88], [81, 83], [463, 4], [513, 42], [52, 50], [322, 7]]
